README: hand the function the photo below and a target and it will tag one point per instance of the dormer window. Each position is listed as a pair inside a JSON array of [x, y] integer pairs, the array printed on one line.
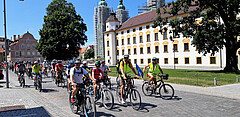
[[116, 26]]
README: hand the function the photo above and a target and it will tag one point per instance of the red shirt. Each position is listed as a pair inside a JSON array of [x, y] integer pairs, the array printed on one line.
[[97, 73], [59, 67]]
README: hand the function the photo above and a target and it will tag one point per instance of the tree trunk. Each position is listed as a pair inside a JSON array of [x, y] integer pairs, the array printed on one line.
[[231, 59]]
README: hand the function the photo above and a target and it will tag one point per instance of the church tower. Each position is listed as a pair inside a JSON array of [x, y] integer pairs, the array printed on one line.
[[122, 13]]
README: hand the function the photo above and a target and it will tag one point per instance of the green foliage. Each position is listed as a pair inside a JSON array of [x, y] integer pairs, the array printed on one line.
[[218, 28], [63, 32], [89, 54]]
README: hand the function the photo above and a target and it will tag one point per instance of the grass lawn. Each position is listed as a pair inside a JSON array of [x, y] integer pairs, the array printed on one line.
[[194, 77]]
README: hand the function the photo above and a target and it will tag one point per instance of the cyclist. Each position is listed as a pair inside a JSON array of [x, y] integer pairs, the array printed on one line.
[[59, 69], [76, 77], [126, 67], [45, 66], [85, 65], [104, 67], [36, 70], [71, 65], [21, 68], [154, 68], [29, 67], [96, 77], [53, 67]]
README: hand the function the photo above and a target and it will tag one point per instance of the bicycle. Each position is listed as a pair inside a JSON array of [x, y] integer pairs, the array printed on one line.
[[29, 73], [45, 72], [105, 94], [165, 91], [134, 94], [59, 79], [107, 81], [118, 80], [22, 80], [38, 83], [83, 102]]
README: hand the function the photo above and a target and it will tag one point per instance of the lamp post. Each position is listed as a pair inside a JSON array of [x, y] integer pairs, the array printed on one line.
[[6, 42]]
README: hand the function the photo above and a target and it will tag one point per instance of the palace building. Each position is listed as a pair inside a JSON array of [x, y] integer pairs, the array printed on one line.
[[141, 41]]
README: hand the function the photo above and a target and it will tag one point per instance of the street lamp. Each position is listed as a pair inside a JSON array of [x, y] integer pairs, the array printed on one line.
[[6, 42]]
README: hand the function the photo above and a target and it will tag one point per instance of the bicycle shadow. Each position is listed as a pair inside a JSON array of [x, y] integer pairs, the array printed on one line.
[[115, 108], [103, 114], [145, 107], [49, 90], [175, 98]]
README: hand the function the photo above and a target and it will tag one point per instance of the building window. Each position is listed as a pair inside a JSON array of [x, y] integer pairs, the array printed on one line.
[[107, 43], [148, 50], [117, 42], [117, 52], [33, 46], [28, 46], [129, 51], [135, 61], [199, 60], [147, 27], [212, 60], [175, 47], [141, 50], [156, 36], [134, 40], [140, 28], [187, 60], [28, 40], [142, 62], [108, 53], [135, 51], [165, 60], [107, 26], [107, 35], [140, 39], [165, 49], [148, 37], [116, 26], [122, 41], [165, 35], [128, 40], [38, 53], [175, 34], [156, 49], [186, 47], [134, 30], [175, 60], [149, 60], [17, 53], [123, 52], [22, 53], [28, 53], [122, 32], [33, 53], [128, 31], [22, 46]]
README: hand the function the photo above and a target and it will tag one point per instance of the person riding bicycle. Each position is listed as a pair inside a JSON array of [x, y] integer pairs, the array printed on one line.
[[96, 77], [29, 67], [104, 67], [76, 77], [45, 65], [53, 67], [36, 70], [71, 65], [21, 69], [59, 69], [85, 65], [126, 67], [154, 69]]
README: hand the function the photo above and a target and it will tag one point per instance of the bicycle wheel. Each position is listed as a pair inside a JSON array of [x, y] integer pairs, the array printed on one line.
[[90, 107], [23, 82], [108, 84], [132, 80], [135, 99], [118, 80], [118, 94], [74, 106], [166, 91], [146, 89], [107, 99], [39, 85]]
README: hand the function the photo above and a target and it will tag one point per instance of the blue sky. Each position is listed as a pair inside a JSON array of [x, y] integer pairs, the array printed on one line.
[[27, 15]]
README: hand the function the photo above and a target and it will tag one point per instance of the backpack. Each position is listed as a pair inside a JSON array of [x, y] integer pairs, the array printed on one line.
[[94, 71], [118, 66], [78, 72]]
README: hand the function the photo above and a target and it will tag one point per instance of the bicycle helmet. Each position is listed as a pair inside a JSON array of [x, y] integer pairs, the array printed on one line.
[[154, 58], [78, 62], [71, 61], [35, 62], [84, 62], [97, 64], [126, 56], [54, 60], [59, 61], [103, 61]]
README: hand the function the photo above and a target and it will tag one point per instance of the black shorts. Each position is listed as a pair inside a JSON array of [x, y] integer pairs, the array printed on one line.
[[98, 81], [21, 72]]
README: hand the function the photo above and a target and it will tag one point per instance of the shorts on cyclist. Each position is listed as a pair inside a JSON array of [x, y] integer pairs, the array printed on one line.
[[21, 72]]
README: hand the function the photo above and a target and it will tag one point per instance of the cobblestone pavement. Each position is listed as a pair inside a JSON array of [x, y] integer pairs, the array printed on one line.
[[54, 102]]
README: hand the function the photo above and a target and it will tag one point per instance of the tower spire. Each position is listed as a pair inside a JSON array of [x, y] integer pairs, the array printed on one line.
[[121, 2]]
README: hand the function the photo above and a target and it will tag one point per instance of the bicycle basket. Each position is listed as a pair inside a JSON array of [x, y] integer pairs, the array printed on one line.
[[165, 76]]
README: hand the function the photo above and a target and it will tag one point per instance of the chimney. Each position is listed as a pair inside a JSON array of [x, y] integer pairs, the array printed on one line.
[[14, 37]]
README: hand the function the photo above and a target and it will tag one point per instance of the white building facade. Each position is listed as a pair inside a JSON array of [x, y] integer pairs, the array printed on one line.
[[142, 42]]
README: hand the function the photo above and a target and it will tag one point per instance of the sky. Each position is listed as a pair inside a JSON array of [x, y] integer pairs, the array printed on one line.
[[27, 15]]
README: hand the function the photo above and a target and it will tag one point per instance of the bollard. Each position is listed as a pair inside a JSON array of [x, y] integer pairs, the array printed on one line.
[[215, 81], [237, 79]]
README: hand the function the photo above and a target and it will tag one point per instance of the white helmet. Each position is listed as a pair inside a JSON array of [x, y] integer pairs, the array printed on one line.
[[84, 62]]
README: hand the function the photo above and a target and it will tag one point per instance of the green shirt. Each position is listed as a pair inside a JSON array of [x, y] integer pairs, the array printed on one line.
[[36, 69]]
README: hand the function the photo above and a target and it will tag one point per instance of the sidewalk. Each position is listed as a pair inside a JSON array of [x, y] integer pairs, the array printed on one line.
[[226, 91]]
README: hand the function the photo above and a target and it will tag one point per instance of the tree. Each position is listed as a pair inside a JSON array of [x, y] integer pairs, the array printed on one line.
[[89, 54], [63, 32], [218, 26]]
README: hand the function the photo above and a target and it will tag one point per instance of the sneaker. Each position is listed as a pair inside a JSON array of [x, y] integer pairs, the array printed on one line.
[[123, 101], [72, 100]]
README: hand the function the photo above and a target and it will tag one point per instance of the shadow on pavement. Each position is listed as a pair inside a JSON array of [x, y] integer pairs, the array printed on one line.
[[102, 114], [49, 90], [176, 98], [31, 112], [146, 106]]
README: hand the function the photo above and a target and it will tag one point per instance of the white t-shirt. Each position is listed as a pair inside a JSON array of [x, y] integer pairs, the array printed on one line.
[[45, 64], [77, 77]]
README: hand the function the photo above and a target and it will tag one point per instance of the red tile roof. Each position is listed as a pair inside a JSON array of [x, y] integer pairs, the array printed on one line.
[[148, 17], [82, 50]]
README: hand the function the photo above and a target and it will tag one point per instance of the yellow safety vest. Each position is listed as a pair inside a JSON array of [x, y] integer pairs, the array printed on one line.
[[126, 68], [156, 70]]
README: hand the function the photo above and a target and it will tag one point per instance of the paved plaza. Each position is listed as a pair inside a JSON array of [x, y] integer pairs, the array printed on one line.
[[189, 101]]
